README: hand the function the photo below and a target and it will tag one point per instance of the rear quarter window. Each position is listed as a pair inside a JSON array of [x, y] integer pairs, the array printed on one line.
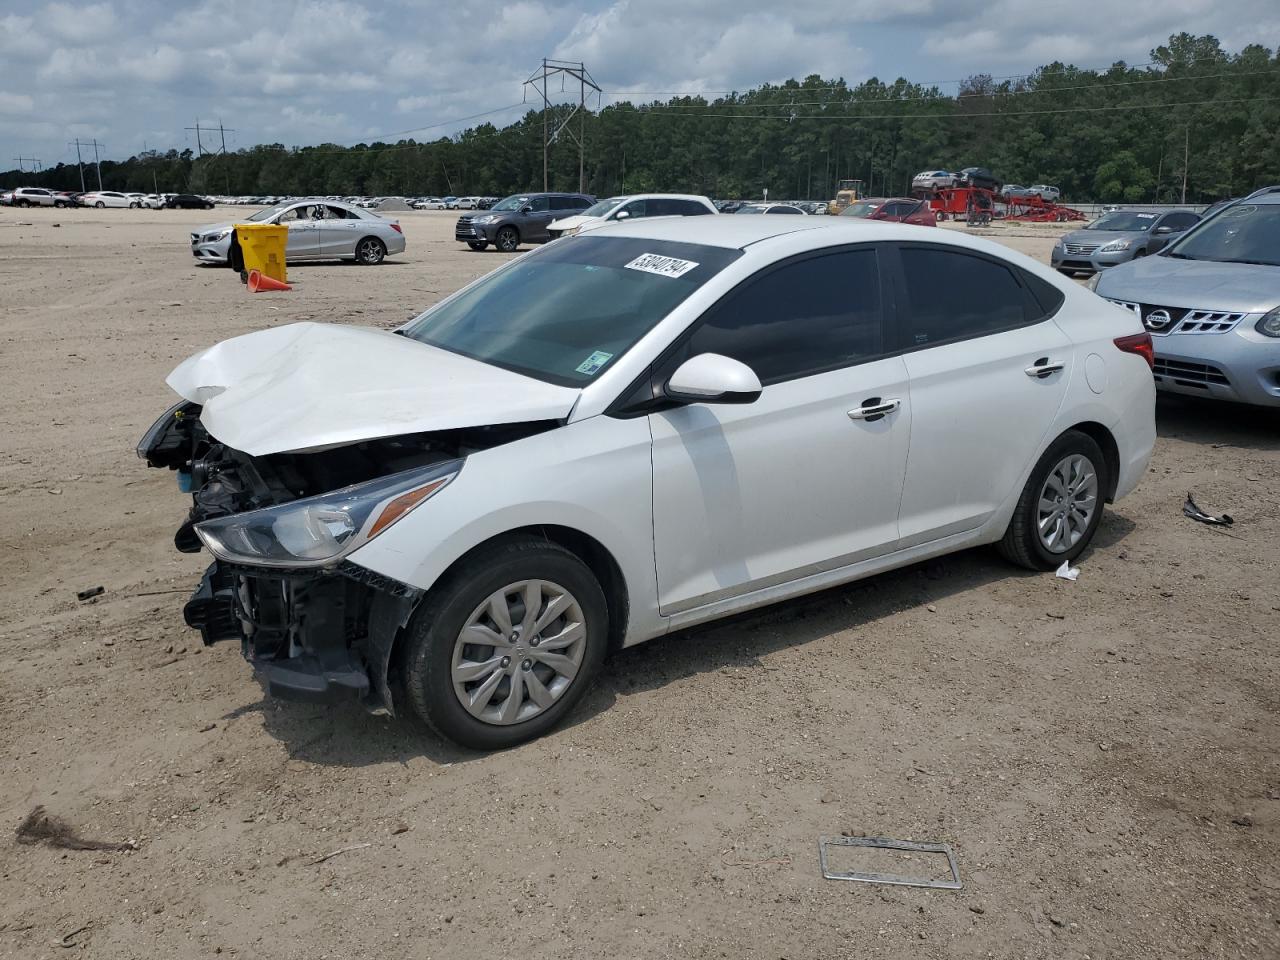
[[953, 295]]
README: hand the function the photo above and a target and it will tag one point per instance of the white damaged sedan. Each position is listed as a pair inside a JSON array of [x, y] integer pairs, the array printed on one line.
[[632, 431]]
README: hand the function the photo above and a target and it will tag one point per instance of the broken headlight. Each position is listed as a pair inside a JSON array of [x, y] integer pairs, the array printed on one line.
[[317, 531]]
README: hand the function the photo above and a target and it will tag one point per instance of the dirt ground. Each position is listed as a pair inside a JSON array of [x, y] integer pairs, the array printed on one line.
[[1102, 755]]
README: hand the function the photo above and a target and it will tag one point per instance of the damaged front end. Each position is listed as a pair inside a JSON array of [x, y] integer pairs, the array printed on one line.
[[316, 626]]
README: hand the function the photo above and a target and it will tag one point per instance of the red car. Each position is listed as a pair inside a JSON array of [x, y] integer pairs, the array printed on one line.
[[895, 209]]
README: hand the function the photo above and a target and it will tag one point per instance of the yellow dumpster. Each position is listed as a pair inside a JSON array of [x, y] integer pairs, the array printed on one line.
[[262, 246]]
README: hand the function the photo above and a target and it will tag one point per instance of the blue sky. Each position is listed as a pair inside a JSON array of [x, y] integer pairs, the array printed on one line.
[[129, 72]]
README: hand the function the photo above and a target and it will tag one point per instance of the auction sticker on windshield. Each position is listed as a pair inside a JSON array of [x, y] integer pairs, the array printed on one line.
[[593, 363], [662, 266]]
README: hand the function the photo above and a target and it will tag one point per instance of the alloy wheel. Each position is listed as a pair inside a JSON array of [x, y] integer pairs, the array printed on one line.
[[369, 251], [1068, 500], [519, 652]]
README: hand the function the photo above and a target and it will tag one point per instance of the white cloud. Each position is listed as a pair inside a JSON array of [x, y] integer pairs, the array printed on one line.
[[15, 103]]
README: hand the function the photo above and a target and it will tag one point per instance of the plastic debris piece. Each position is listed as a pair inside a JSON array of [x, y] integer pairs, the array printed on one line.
[[1067, 571], [1190, 509], [90, 593]]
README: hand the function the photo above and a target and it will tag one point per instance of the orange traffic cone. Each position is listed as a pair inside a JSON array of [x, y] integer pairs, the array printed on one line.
[[258, 281]]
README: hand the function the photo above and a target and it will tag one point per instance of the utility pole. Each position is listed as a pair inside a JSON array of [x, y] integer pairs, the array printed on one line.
[[96, 162], [80, 165], [1186, 156], [578, 71]]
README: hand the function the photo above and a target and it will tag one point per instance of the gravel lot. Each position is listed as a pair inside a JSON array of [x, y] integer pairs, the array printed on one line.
[[1103, 755]]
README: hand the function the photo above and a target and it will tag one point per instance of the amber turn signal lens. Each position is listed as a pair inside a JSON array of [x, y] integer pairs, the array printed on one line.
[[402, 504]]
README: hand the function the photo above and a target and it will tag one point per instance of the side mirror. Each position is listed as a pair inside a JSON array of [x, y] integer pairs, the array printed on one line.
[[1163, 230], [713, 378], [526, 209], [622, 215]]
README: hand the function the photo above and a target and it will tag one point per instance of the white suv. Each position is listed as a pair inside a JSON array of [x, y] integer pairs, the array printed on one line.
[[632, 431], [33, 197]]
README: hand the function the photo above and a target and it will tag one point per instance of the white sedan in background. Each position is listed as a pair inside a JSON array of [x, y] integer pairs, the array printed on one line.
[[633, 207], [106, 198], [632, 431], [318, 230]]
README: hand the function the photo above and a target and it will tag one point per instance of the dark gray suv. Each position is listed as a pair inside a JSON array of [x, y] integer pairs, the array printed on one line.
[[521, 218]]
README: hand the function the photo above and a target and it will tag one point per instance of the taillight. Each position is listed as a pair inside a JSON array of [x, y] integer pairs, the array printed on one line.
[[396, 228], [1139, 343]]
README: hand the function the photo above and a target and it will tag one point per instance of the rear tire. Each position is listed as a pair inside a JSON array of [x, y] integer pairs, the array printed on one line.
[[507, 240], [1023, 542], [370, 251], [99, 204], [435, 653]]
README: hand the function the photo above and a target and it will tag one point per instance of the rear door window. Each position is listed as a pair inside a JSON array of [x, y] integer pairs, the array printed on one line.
[[951, 295], [803, 317]]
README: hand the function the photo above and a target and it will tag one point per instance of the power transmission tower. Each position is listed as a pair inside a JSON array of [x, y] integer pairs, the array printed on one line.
[[199, 145], [34, 161], [80, 165], [565, 69]]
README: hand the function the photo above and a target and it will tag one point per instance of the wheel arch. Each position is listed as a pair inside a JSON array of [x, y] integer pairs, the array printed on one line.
[[598, 558], [1103, 437], [355, 251]]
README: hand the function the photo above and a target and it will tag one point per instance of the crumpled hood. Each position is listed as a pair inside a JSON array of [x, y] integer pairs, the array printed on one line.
[[308, 386], [1194, 284]]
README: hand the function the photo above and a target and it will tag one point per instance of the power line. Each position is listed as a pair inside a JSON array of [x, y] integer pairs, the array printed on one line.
[[940, 98], [1038, 72], [991, 113]]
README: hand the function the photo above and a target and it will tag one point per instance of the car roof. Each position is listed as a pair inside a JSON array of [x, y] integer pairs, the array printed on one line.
[[657, 196]]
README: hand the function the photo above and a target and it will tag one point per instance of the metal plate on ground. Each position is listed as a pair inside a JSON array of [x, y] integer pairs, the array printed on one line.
[[885, 843]]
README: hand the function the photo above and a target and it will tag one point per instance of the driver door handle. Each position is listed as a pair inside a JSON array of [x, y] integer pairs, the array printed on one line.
[[874, 409], [1042, 368]]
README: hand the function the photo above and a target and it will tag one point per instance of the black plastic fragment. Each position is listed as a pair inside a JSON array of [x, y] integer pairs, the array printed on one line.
[[1190, 509]]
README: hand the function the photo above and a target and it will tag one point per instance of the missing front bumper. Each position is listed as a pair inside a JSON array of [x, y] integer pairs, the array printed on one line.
[[318, 637]]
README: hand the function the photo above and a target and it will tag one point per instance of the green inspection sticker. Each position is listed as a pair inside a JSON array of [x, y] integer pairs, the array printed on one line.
[[591, 366]]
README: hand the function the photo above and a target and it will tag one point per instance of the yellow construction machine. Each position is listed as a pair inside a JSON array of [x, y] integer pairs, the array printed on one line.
[[847, 192]]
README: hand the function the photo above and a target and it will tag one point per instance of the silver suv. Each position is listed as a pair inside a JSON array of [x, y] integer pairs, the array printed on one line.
[[1211, 301], [32, 197]]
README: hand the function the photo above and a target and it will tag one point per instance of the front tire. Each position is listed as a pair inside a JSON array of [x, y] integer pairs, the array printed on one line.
[[370, 251], [507, 240], [506, 644], [476, 244], [1060, 506]]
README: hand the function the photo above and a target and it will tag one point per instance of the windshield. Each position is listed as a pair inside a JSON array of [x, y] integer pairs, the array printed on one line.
[[1124, 220], [603, 208], [511, 203], [266, 214], [565, 313], [1249, 233], [864, 208]]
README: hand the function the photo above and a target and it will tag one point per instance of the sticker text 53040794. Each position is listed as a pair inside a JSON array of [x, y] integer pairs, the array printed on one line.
[[662, 266]]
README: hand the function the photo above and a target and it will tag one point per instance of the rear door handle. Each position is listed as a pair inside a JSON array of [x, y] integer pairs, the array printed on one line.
[[874, 409], [1042, 368]]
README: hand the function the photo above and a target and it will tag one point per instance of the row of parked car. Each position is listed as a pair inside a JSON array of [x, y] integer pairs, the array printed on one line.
[[540, 217], [40, 197]]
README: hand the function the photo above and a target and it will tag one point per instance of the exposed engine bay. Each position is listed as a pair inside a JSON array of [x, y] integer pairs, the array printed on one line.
[[316, 634]]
